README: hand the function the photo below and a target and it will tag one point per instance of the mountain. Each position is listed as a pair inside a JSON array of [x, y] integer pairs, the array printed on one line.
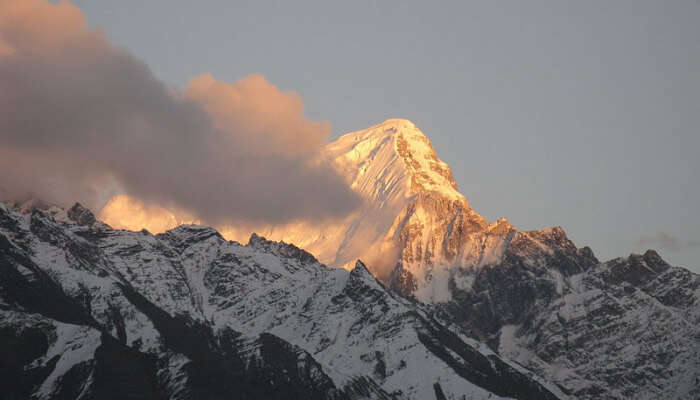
[[89, 312], [454, 305], [409, 197], [627, 328]]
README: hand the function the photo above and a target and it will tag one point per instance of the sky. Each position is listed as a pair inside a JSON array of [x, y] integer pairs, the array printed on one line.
[[584, 115]]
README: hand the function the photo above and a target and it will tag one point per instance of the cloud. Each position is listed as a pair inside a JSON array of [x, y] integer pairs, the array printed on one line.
[[124, 212], [274, 121], [666, 241], [81, 119]]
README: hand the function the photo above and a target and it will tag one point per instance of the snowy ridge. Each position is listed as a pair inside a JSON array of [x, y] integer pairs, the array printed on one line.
[[187, 304]]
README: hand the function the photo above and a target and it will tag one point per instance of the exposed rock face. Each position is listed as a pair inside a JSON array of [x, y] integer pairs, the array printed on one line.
[[628, 328], [90, 312], [81, 215]]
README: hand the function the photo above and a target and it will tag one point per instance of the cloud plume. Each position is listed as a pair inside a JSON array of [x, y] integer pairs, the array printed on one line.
[[81, 119]]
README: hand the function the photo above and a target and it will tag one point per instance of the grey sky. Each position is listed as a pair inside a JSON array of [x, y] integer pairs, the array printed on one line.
[[579, 114]]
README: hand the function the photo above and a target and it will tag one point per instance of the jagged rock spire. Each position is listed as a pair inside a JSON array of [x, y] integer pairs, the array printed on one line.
[[81, 215]]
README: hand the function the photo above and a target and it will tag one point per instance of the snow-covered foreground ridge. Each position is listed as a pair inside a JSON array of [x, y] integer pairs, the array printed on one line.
[[91, 312]]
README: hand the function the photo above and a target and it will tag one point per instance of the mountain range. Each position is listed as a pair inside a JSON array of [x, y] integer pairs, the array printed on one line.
[[442, 305]]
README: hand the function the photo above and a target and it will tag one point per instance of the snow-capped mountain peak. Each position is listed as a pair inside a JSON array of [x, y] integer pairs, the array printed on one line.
[[396, 153], [395, 169]]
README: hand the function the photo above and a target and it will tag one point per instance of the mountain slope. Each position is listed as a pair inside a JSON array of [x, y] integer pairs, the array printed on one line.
[[91, 312], [627, 328]]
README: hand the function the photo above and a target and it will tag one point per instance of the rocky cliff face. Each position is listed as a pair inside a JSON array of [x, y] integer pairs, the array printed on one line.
[[627, 328], [91, 312], [622, 329]]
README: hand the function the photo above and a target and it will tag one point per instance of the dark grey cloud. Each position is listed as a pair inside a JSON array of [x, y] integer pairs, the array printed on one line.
[[81, 118]]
